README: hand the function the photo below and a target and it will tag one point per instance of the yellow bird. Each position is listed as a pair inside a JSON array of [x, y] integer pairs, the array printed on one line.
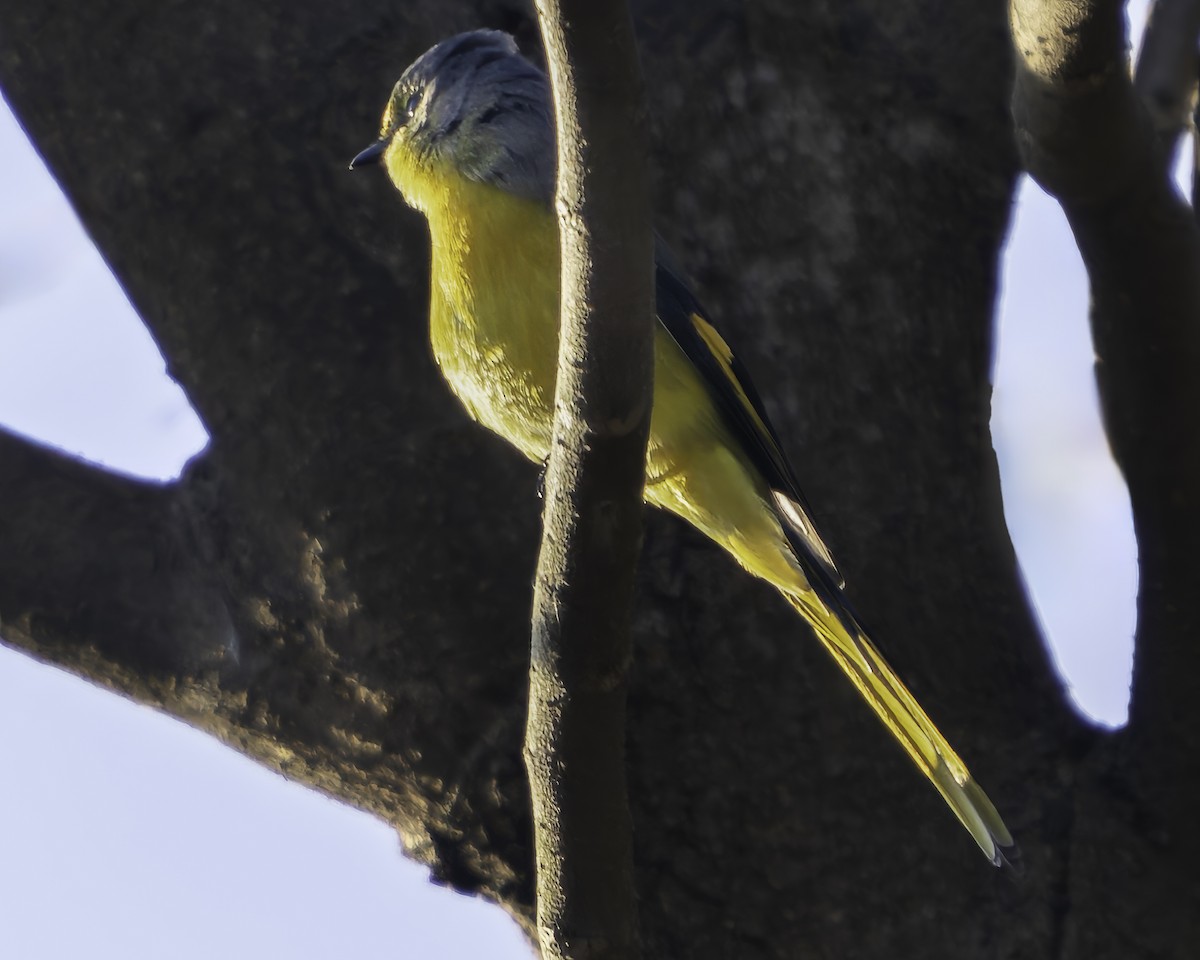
[[468, 139]]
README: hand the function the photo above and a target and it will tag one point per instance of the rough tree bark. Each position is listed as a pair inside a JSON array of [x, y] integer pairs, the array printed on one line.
[[339, 586]]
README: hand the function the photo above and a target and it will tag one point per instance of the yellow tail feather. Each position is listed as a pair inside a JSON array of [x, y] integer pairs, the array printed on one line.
[[903, 716]]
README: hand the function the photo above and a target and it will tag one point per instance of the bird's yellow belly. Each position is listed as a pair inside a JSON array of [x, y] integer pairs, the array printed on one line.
[[510, 399]]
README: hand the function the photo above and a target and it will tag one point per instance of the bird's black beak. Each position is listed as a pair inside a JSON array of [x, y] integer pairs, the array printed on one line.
[[370, 155]]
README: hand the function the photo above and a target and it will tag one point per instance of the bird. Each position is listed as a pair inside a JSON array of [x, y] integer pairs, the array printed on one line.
[[468, 139]]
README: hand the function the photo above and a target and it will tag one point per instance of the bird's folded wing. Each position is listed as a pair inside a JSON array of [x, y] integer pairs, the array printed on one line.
[[684, 318]]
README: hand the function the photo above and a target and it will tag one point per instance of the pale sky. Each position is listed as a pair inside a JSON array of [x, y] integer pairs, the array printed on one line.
[[163, 843]]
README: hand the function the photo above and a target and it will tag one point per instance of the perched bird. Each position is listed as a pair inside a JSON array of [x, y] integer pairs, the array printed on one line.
[[468, 139]]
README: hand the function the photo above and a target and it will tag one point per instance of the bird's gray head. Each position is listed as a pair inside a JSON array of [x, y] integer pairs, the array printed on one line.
[[474, 103]]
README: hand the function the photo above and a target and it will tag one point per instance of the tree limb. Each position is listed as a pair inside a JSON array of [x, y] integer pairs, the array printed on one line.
[[1196, 153], [1087, 140], [1086, 137], [1167, 65], [99, 568], [575, 739]]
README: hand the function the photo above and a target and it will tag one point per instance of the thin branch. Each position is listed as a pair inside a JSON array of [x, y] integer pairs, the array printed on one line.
[[574, 746], [1166, 70]]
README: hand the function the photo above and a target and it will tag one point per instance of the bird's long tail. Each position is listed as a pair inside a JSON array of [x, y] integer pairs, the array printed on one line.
[[902, 715]]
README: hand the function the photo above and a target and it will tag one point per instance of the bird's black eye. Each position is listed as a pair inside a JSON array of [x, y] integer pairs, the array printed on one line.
[[410, 108]]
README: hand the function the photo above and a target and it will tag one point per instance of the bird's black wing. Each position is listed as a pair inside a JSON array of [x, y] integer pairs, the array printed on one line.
[[740, 405]]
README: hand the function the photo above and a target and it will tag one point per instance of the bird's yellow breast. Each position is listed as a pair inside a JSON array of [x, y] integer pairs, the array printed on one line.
[[494, 294]]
